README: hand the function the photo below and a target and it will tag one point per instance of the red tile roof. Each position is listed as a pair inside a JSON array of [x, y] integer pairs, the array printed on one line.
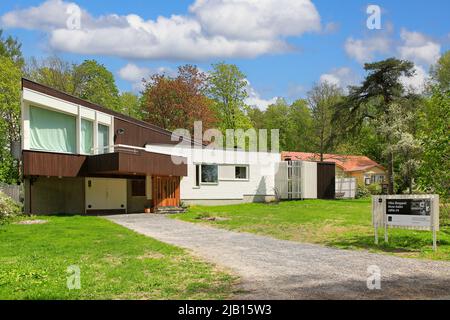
[[346, 162]]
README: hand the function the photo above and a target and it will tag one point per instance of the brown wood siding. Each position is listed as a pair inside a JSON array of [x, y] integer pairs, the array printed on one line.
[[37, 163], [53, 164], [142, 163], [138, 135], [326, 175]]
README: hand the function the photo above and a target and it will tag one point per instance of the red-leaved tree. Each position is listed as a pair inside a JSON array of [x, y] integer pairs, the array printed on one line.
[[176, 102]]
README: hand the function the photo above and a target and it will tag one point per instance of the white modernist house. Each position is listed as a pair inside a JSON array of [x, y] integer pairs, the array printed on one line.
[[224, 176], [78, 157]]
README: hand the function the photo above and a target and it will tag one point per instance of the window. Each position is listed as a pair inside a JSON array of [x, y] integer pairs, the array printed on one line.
[[138, 188], [209, 173], [240, 172], [52, 131], [87, 136], [103, 138], [378, 178], [197, 175]]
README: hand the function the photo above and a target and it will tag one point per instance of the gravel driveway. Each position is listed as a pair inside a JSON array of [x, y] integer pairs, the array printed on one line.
[[278, 269]]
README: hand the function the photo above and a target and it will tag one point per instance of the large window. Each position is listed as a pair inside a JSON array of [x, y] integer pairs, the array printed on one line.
[[103, 138], [87, 136], [209, 173], [52, 131]]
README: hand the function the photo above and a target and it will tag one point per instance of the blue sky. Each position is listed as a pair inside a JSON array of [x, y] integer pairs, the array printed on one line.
[[283, 46]]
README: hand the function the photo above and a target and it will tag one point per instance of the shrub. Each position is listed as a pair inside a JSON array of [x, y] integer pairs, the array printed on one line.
[[374, 188], [362, 191], [8, 208]]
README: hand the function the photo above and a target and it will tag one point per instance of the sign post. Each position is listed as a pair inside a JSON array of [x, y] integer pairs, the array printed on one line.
[[418, 212]]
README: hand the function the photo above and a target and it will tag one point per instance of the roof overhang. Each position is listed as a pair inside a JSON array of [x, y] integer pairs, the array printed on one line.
[[119, 163]]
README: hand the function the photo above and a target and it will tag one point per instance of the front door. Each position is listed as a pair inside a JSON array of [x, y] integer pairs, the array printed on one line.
[[106, 195], [166, 191]]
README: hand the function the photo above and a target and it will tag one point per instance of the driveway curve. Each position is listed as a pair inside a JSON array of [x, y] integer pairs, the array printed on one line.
[[278, 269]]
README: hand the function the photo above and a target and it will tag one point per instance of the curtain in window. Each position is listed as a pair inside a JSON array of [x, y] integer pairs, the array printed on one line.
[[103, 138], [52, 131], [87, 136]]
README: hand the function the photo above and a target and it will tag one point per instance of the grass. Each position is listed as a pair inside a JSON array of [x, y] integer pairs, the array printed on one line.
[[115, 263], [342, 224]]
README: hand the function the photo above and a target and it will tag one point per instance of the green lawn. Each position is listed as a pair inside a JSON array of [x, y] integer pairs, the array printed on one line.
[[115, 263], [341, 223]]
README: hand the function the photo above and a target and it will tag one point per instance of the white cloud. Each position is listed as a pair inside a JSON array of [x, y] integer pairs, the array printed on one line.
[[417, 82], [254, 98], [365, 50], [215, 28], [134, 74], [341, 77], [256, 19], [418, 48]]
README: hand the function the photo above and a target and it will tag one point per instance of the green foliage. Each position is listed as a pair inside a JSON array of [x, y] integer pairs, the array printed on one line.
[[90, 80], [434, 171], [441, 72], [8, 208], [9, 118], [11, 48], [294, 122], [130, 104], [362, 191], [322, 100], [96, 84], [114, 262], [227, 87]]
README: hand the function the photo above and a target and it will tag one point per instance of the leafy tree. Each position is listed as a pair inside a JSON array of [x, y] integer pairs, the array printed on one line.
[[277, 116], [90, 80], [322, 99], [93, 82], [178, 102], [373, 101], [53, 72], [302, 128], [130, 104], [434, 171], [441, 72], [228, 90], [11, 48], [9, 117]]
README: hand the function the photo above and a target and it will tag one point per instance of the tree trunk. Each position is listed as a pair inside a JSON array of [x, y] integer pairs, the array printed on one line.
[[391, 173]]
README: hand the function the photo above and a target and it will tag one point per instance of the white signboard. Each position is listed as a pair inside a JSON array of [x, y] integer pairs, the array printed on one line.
[[419, 212]]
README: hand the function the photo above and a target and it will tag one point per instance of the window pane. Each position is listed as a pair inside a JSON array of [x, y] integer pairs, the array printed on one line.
[[137, 188], [241, 172], [103, 138], [87, 136], [209, 173], [52, 131]]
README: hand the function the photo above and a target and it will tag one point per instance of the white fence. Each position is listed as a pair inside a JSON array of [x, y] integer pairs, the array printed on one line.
[[12, 191], [345, 188]]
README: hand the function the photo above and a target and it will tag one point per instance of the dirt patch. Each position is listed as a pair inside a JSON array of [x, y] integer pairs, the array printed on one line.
[[26, 222], [151, 255]]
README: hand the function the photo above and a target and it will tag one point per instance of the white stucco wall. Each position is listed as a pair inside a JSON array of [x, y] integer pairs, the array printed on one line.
[[261, 172]]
